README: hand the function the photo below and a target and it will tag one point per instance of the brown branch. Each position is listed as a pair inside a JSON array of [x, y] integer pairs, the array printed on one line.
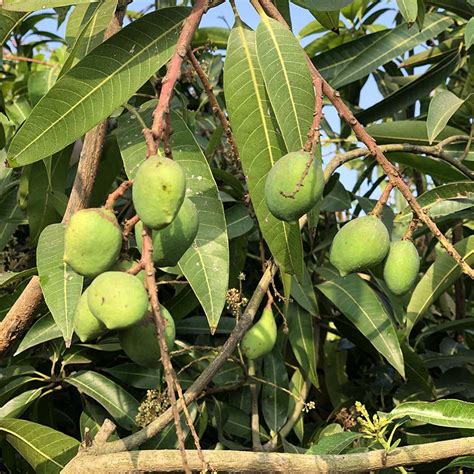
[[390, 170], [377, 210], [411, 228], [214, 104], [21, 313], [129, 226], [247, 461], [436, 151], [116, 194], [174, 70], [195, 390], [11, 57]]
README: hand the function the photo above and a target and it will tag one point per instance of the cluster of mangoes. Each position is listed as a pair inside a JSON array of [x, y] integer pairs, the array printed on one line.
[[115, 299]]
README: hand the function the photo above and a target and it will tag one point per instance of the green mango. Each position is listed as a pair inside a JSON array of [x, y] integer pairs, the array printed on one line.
[[360, 244], [170, 243], [261, 337], [140, 341], [86, 325], [92, 241], [124, 265], [118, 299], [284, 177], [401, 267], [158, 191]]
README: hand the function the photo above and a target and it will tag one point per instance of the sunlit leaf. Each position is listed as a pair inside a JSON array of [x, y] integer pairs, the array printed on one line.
[[442, 108]]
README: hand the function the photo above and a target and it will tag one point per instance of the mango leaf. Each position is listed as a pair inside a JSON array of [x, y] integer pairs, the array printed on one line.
[[136, 375], [357, 59], [462, 461], [334, 364], [32, 5], [411, 92], [61, 285], [299, 387], [329, 20], [238, 221], [334, 444], [97, 85], [360, 304], [274, 400], [440, 276], [462, 8], [119, 403], [91, 419], [259, 142], [450, 413], [17, 405], [322, 5], [460, 190], [409, 10], [43, 330], [417, 372], [442, 108], [304, 340], [8, 22], [287, 80], [28, 439], [8, 278], [215, 36], [469, 33]]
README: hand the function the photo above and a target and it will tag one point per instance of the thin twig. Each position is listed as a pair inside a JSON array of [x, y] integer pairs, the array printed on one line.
[[116, 194], [378, 208], [390, 170], [129, 226], [214, 104], [11, 57], [411, 228]]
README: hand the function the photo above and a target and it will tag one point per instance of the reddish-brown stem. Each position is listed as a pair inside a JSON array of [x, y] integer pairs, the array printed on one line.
[[390, 170], [147, 258], [174, 68], [129, 226], [377, 210], [411, 228], [116, 194], [219, 113], [137, 268], [11, 57]]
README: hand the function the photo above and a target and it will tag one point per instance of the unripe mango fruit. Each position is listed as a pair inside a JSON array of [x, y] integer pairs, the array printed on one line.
[[362, 243], [284, 177], [118, 299], [158, 191], [261, 337], [140, 341], [86, 325], [401, 267], [170, 243], [92, 241]]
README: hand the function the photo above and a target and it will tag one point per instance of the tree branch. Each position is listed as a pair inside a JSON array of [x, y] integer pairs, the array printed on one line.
[[247, 461], [21, 313], [390, 170]]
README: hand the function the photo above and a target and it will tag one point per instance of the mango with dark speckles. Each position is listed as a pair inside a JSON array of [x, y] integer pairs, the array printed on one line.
[[260, 339], [158, 191], [140, 341], [92, 241], [118, 299], [360, 244], [284, 177], [401, 267]]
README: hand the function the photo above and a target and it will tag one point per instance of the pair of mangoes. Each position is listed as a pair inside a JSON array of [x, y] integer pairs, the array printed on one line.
[[294, 185], [364, 243]]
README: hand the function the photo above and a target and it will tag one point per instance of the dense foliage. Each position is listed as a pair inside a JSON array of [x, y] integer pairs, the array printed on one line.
[[392, 336]]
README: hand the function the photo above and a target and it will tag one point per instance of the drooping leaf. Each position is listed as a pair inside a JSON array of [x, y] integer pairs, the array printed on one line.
[[119, 403], [298, 387], [358, 58], [43, 330], [97, 85], [304, 340], [274, 400], [469, 33], [463, 8], [17, 405], [360, 304], [136, 375], [287, 80], [28, 439], [238, 221], [214, 36], [329, 19], [440, 276], [409, 10], [8, 22], [91, 419], [61, 285], [32, 5], [259, 142], [334, 443], [450, 413], [417, 372], [442, 108], [8, 278], [334, 364]]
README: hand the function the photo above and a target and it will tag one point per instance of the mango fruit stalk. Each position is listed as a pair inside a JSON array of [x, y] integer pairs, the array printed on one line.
[[92, 241], [140, 341], [158, 191], [170, 243], [118, 299], [261, 337], [360, 244], [285, 177], [401, 267]]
